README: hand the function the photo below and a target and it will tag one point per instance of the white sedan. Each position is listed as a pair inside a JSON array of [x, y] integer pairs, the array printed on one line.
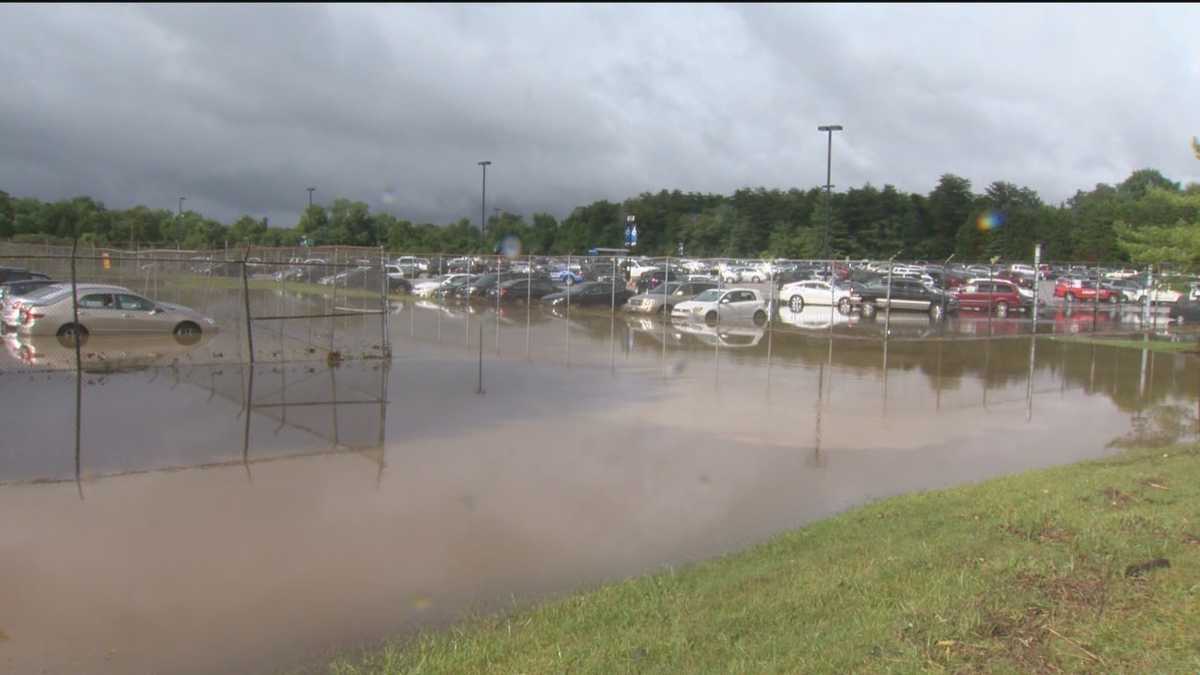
[[813, 292], [732, 304], [426, 288]]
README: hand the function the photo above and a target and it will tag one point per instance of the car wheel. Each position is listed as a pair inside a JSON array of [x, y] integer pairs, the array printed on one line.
[[1112, 299], [796, 304], [755, 280], [844, 305], [936, 311], [760, 318], [187, 333], [71, 330], [711, 317], [1001, 309], [868, 309]]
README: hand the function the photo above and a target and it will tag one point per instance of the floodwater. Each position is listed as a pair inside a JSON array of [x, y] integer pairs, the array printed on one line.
[[214, 517]]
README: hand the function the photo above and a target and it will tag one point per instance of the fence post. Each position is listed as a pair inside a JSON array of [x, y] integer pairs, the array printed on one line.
[[75, 321], [887, 319], [1096, 300], [246, 302], [386, 352], [991, 296], [1037, 285]]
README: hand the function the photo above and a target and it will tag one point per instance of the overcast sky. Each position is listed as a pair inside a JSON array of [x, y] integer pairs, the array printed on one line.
[[240, 108]]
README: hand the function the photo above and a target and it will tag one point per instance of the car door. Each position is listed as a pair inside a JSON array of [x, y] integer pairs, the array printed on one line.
[[98, 313], [138, 315], [743, 304]]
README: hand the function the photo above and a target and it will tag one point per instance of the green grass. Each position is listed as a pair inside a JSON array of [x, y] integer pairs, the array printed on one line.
[[1151, 345], [1019, 574]]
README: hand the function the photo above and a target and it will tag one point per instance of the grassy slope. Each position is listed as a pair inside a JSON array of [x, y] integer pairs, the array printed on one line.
[[1019, 574]]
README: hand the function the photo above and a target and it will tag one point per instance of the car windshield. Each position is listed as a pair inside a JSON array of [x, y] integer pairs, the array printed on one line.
[[711, 295]]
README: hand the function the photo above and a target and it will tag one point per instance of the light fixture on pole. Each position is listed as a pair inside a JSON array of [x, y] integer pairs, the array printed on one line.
[[828, 129], [310, 191]]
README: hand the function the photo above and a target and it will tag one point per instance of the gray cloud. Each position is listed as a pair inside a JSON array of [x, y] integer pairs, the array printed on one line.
[[241, 107]]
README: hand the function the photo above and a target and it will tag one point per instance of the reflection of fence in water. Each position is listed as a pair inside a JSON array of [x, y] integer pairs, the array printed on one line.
[[341, 410]]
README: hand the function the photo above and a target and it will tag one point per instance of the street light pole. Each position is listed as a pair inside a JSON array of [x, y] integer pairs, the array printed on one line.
[[179, 214], [828, 129], [310, 191], [483, 201]]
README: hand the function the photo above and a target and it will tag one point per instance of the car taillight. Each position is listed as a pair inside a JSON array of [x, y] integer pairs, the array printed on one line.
[[503, 291]]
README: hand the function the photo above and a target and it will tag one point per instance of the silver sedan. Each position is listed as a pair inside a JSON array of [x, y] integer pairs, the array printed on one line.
[[105, 309]]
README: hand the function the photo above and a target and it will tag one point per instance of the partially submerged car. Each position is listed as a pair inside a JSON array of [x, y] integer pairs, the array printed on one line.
[[715, 305], [104, 309]]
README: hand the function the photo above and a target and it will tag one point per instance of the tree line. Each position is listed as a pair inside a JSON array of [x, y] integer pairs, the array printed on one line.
[[1145, 218]]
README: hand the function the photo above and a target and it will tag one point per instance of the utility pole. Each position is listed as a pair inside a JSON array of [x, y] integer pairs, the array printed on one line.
[[828, 129], [482, 203], [310, 191]]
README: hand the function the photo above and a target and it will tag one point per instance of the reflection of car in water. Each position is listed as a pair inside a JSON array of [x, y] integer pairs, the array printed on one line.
[[726, 337], [814, 317], [1074, 321], [1184, 311], [102, 353]]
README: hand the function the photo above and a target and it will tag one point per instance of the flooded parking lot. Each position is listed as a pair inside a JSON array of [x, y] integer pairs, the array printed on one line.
[[217, 517]]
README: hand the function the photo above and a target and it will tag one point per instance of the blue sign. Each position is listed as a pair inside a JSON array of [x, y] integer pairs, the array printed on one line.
[[630, 231]]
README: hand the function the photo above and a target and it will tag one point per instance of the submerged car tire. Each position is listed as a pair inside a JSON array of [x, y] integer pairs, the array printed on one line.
[[760, 318], [796, 304], [1001, 309], [755, 280], [868, 309], [187, 333], [936, 311], [711, 317], [1112, 299], [844, 305], [71, 330]]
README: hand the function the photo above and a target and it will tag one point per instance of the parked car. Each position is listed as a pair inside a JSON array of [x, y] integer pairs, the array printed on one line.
[[588, 294], [813, 292], [664, 297], [524, 289], [733, 304], [1072, 289], [566, 275], [651, 280], [475, 289], [1158, 295], [1184, 310], [998, 295], [11, 291], [429, 287], [907, 294], [19, 274], [106, 309], [735, 275]]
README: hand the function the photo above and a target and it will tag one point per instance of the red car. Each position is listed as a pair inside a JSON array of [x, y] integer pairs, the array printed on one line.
[[1082, 290], [999, 295]]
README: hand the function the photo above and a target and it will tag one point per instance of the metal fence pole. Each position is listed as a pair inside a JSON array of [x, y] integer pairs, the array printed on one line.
[[887, 316], [1037, 285], [991, 296], [75, 321], [384, 307], [498, 278], [246, 302], [1096, 300]]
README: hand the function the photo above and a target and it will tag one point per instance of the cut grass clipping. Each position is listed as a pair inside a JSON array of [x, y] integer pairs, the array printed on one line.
[[1093, 567]]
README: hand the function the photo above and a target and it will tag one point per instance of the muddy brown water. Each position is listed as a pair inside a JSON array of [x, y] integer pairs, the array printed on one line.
[[216, 518]]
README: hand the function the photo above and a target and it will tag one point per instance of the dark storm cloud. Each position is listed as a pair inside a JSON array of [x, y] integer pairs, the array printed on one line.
[[241, 107]]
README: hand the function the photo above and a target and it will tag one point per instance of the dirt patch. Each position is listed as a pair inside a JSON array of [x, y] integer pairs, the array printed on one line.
[[1045, 533], [1116, 498], [1022, 640], [1189, 538]]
